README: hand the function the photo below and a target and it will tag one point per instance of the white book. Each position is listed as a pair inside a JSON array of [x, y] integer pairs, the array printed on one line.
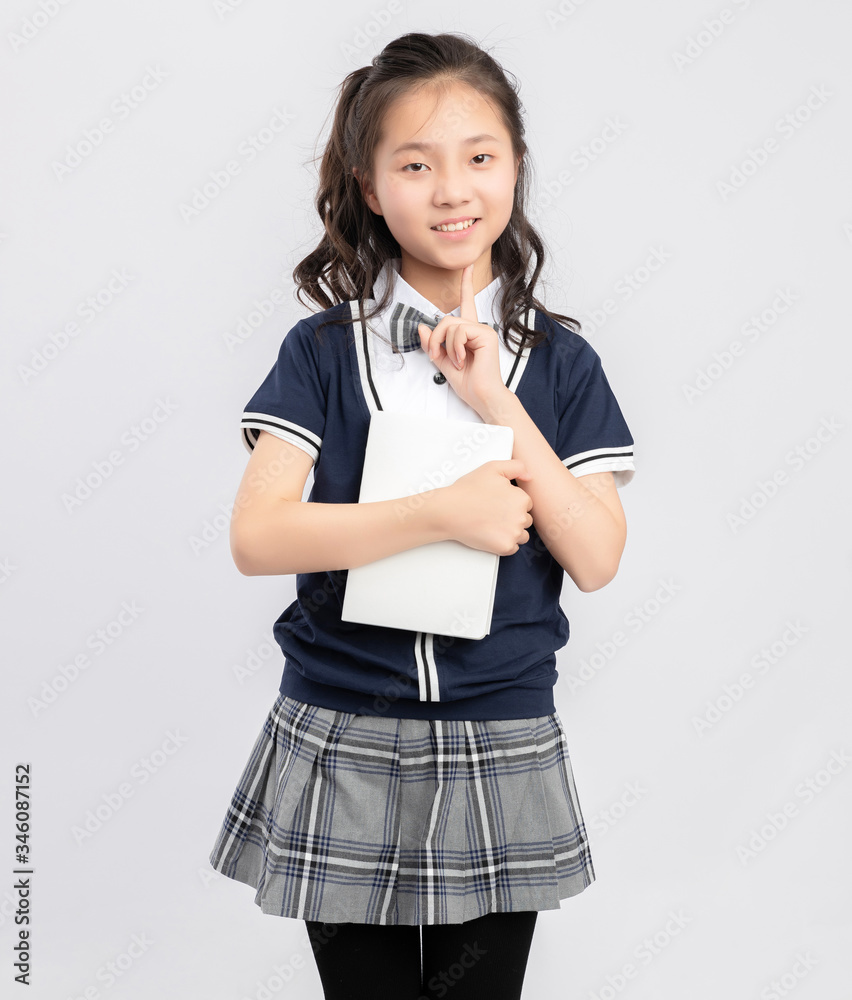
[[445, 587]]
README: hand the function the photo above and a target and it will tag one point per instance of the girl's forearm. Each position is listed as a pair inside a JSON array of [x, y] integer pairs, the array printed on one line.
[[280, 537], [579, 530]]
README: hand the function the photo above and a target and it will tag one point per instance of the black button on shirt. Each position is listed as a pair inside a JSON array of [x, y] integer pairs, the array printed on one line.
[[439, 377]]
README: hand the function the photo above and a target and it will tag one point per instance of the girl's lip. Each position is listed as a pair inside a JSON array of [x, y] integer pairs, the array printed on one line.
[[456, 234]]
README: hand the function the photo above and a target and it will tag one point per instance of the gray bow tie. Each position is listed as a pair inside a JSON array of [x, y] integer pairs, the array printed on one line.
[[403, 322]]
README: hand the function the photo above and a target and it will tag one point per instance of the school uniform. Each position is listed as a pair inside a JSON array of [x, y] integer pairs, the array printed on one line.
[[403, 777]]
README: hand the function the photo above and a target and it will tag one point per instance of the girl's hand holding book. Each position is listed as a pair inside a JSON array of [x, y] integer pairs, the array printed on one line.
[[485, 511]]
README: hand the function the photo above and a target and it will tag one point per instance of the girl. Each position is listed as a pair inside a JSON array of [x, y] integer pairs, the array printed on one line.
[[410, 795]]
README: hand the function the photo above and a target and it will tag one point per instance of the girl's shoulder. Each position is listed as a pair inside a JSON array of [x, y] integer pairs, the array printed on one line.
[[321, 331], [567, 346], [337, 317]]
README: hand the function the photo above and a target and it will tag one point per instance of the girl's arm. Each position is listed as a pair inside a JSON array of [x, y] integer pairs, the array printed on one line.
[[583, 526], [273, 533]]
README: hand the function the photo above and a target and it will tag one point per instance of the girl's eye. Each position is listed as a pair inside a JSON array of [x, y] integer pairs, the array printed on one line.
[[477, 157]]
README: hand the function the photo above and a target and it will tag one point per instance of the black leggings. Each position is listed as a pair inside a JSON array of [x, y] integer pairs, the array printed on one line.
[[485, 957]]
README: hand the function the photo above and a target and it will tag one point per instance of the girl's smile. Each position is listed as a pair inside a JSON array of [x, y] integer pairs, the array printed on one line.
[[456, 230]]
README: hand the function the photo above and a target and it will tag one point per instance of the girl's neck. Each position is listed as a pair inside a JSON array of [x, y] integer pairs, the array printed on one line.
[[441, 286]]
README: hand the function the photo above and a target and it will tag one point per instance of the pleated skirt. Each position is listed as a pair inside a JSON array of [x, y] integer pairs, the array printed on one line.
[[341, 817]]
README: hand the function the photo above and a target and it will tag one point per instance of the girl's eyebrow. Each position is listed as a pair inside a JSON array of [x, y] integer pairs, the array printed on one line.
[[424, 147]]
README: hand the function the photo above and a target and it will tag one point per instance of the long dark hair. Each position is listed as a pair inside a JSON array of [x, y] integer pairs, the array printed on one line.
[[357, 242]]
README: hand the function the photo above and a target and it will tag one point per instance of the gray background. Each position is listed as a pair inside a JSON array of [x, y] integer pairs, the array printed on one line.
[[671, 806]]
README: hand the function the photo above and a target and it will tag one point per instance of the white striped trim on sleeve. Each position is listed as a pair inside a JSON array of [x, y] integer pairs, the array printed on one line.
[[252, 424], [618, 461]]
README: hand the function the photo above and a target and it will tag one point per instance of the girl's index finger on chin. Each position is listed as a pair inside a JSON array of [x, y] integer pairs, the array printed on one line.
[[468, 306]]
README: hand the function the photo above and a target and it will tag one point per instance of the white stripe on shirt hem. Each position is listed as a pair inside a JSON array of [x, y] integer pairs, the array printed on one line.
[[617, 460], [253, 423]]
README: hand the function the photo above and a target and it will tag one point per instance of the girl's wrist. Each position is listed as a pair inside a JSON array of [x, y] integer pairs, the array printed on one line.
[[438, 513], [497, 409]]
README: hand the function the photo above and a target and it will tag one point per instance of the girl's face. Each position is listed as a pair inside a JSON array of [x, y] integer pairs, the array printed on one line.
[[443, 159]]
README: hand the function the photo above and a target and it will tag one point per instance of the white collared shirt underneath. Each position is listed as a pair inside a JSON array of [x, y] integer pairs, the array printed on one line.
[[410, 387]]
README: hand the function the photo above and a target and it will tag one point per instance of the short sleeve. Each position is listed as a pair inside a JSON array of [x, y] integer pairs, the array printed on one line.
[[592, 435], [290, 402]]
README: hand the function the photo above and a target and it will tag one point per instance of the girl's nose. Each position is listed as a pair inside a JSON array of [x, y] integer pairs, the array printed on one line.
[[451, 186]]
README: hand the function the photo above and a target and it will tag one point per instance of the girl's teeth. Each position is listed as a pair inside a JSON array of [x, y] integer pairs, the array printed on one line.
[[453, 226]]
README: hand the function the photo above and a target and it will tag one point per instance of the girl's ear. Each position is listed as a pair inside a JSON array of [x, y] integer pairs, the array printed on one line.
[[359, 180], [367, 193]]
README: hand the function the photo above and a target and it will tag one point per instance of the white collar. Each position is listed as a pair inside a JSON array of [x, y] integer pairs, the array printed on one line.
[[485, 300]]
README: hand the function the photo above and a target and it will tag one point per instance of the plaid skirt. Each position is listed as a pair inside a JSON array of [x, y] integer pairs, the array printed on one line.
[[341, 817]]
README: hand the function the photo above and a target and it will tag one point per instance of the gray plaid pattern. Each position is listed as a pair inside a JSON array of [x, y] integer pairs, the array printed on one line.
[[403, 321], [341, 817]]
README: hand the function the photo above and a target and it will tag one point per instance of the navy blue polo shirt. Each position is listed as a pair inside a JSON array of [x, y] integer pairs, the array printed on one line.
[[319, 396]]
